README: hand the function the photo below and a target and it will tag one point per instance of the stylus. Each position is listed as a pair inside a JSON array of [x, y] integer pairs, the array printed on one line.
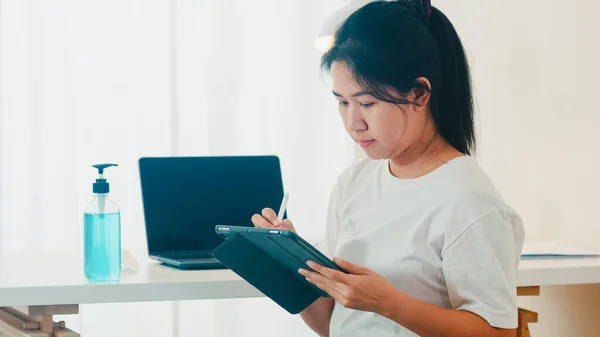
[[286, 196]]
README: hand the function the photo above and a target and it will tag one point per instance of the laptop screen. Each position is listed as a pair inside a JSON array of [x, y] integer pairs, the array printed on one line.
[[186, 197]]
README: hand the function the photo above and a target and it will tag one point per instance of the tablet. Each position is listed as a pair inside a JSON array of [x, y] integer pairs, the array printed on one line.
[[269, 259], [288, 240]]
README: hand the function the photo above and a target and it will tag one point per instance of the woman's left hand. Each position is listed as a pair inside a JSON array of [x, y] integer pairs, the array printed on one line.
[[360, 289]]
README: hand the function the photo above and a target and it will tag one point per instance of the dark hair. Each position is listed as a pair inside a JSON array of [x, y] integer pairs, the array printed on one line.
[[389, 44]]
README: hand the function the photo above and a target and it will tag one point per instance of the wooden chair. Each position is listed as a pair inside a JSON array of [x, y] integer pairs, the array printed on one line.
[[526, 316]]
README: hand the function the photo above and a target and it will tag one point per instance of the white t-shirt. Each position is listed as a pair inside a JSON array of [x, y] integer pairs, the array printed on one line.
[[446, 238]]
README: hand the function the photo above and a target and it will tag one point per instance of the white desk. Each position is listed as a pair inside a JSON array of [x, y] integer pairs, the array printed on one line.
[[57, 278], [561, 271]]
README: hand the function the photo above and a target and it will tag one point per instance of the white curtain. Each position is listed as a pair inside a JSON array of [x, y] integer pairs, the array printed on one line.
[[84, 82]]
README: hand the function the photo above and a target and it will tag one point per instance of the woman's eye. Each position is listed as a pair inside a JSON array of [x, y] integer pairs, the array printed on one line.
[[343, 103], [366, 105]]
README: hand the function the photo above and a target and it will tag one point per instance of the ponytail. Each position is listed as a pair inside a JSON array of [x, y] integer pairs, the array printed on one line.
[[453, 107]]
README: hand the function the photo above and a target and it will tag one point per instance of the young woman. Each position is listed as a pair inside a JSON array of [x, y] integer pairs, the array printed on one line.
[[430, 247]]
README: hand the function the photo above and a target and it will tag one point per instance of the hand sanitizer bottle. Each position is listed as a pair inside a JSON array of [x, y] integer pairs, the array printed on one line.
[[102, 233]]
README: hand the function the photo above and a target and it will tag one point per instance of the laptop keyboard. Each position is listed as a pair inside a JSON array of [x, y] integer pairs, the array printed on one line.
[[190, 255]]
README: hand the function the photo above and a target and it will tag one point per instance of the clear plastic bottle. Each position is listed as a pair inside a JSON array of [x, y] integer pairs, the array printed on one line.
[[102, 233]]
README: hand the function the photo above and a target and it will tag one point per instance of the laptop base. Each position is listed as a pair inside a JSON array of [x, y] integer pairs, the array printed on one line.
[[198, 264]]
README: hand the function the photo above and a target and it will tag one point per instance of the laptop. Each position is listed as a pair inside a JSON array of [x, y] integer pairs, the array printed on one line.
[[184, 198]]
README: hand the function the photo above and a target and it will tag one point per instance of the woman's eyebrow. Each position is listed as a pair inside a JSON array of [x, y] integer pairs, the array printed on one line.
[[360, 93]]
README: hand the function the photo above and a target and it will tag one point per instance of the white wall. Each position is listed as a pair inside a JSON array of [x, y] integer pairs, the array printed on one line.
[[535, 66], [83, 82]]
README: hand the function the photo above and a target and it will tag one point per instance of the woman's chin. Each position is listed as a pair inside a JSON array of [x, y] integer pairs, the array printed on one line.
[[375, 155]]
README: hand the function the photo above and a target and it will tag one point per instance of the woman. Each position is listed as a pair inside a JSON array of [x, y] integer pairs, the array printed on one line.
[[430, 247]]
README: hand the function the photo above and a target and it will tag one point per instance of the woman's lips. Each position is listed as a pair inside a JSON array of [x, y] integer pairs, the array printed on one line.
[[365, 143]]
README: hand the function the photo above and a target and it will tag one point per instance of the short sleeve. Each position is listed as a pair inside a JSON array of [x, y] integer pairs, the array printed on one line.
[[480, 268]]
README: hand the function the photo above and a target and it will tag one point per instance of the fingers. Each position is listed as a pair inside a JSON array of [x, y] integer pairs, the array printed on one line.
[[270, 216], [268, 219], [329, 286], [351, 268], [260, 222], [332, 291], [329, 273], [287, 224]]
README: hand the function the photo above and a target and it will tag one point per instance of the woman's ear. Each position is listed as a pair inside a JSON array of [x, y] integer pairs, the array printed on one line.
[[421, 94]]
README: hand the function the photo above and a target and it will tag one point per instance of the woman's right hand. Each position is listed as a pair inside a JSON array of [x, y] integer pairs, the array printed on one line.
[[268, 219]]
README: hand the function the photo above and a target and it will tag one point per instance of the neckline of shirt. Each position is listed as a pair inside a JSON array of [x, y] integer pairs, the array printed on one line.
[[409, 183]]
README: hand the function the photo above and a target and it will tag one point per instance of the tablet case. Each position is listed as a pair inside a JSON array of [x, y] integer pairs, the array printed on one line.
[[275, 273]]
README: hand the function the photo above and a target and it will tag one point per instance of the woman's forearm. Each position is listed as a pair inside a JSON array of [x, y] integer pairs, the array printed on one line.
[[318, 315], [428, 320]]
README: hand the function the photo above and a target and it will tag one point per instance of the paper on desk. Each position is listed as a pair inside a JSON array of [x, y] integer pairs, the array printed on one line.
[[537, 249]]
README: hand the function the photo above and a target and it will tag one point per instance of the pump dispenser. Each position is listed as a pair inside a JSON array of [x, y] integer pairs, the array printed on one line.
[[102, 233]]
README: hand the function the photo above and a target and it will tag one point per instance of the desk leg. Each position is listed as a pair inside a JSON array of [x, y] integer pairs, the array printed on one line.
[[526, 316], [36, 321]]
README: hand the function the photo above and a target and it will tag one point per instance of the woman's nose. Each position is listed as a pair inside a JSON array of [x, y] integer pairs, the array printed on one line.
[[355, 121]]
